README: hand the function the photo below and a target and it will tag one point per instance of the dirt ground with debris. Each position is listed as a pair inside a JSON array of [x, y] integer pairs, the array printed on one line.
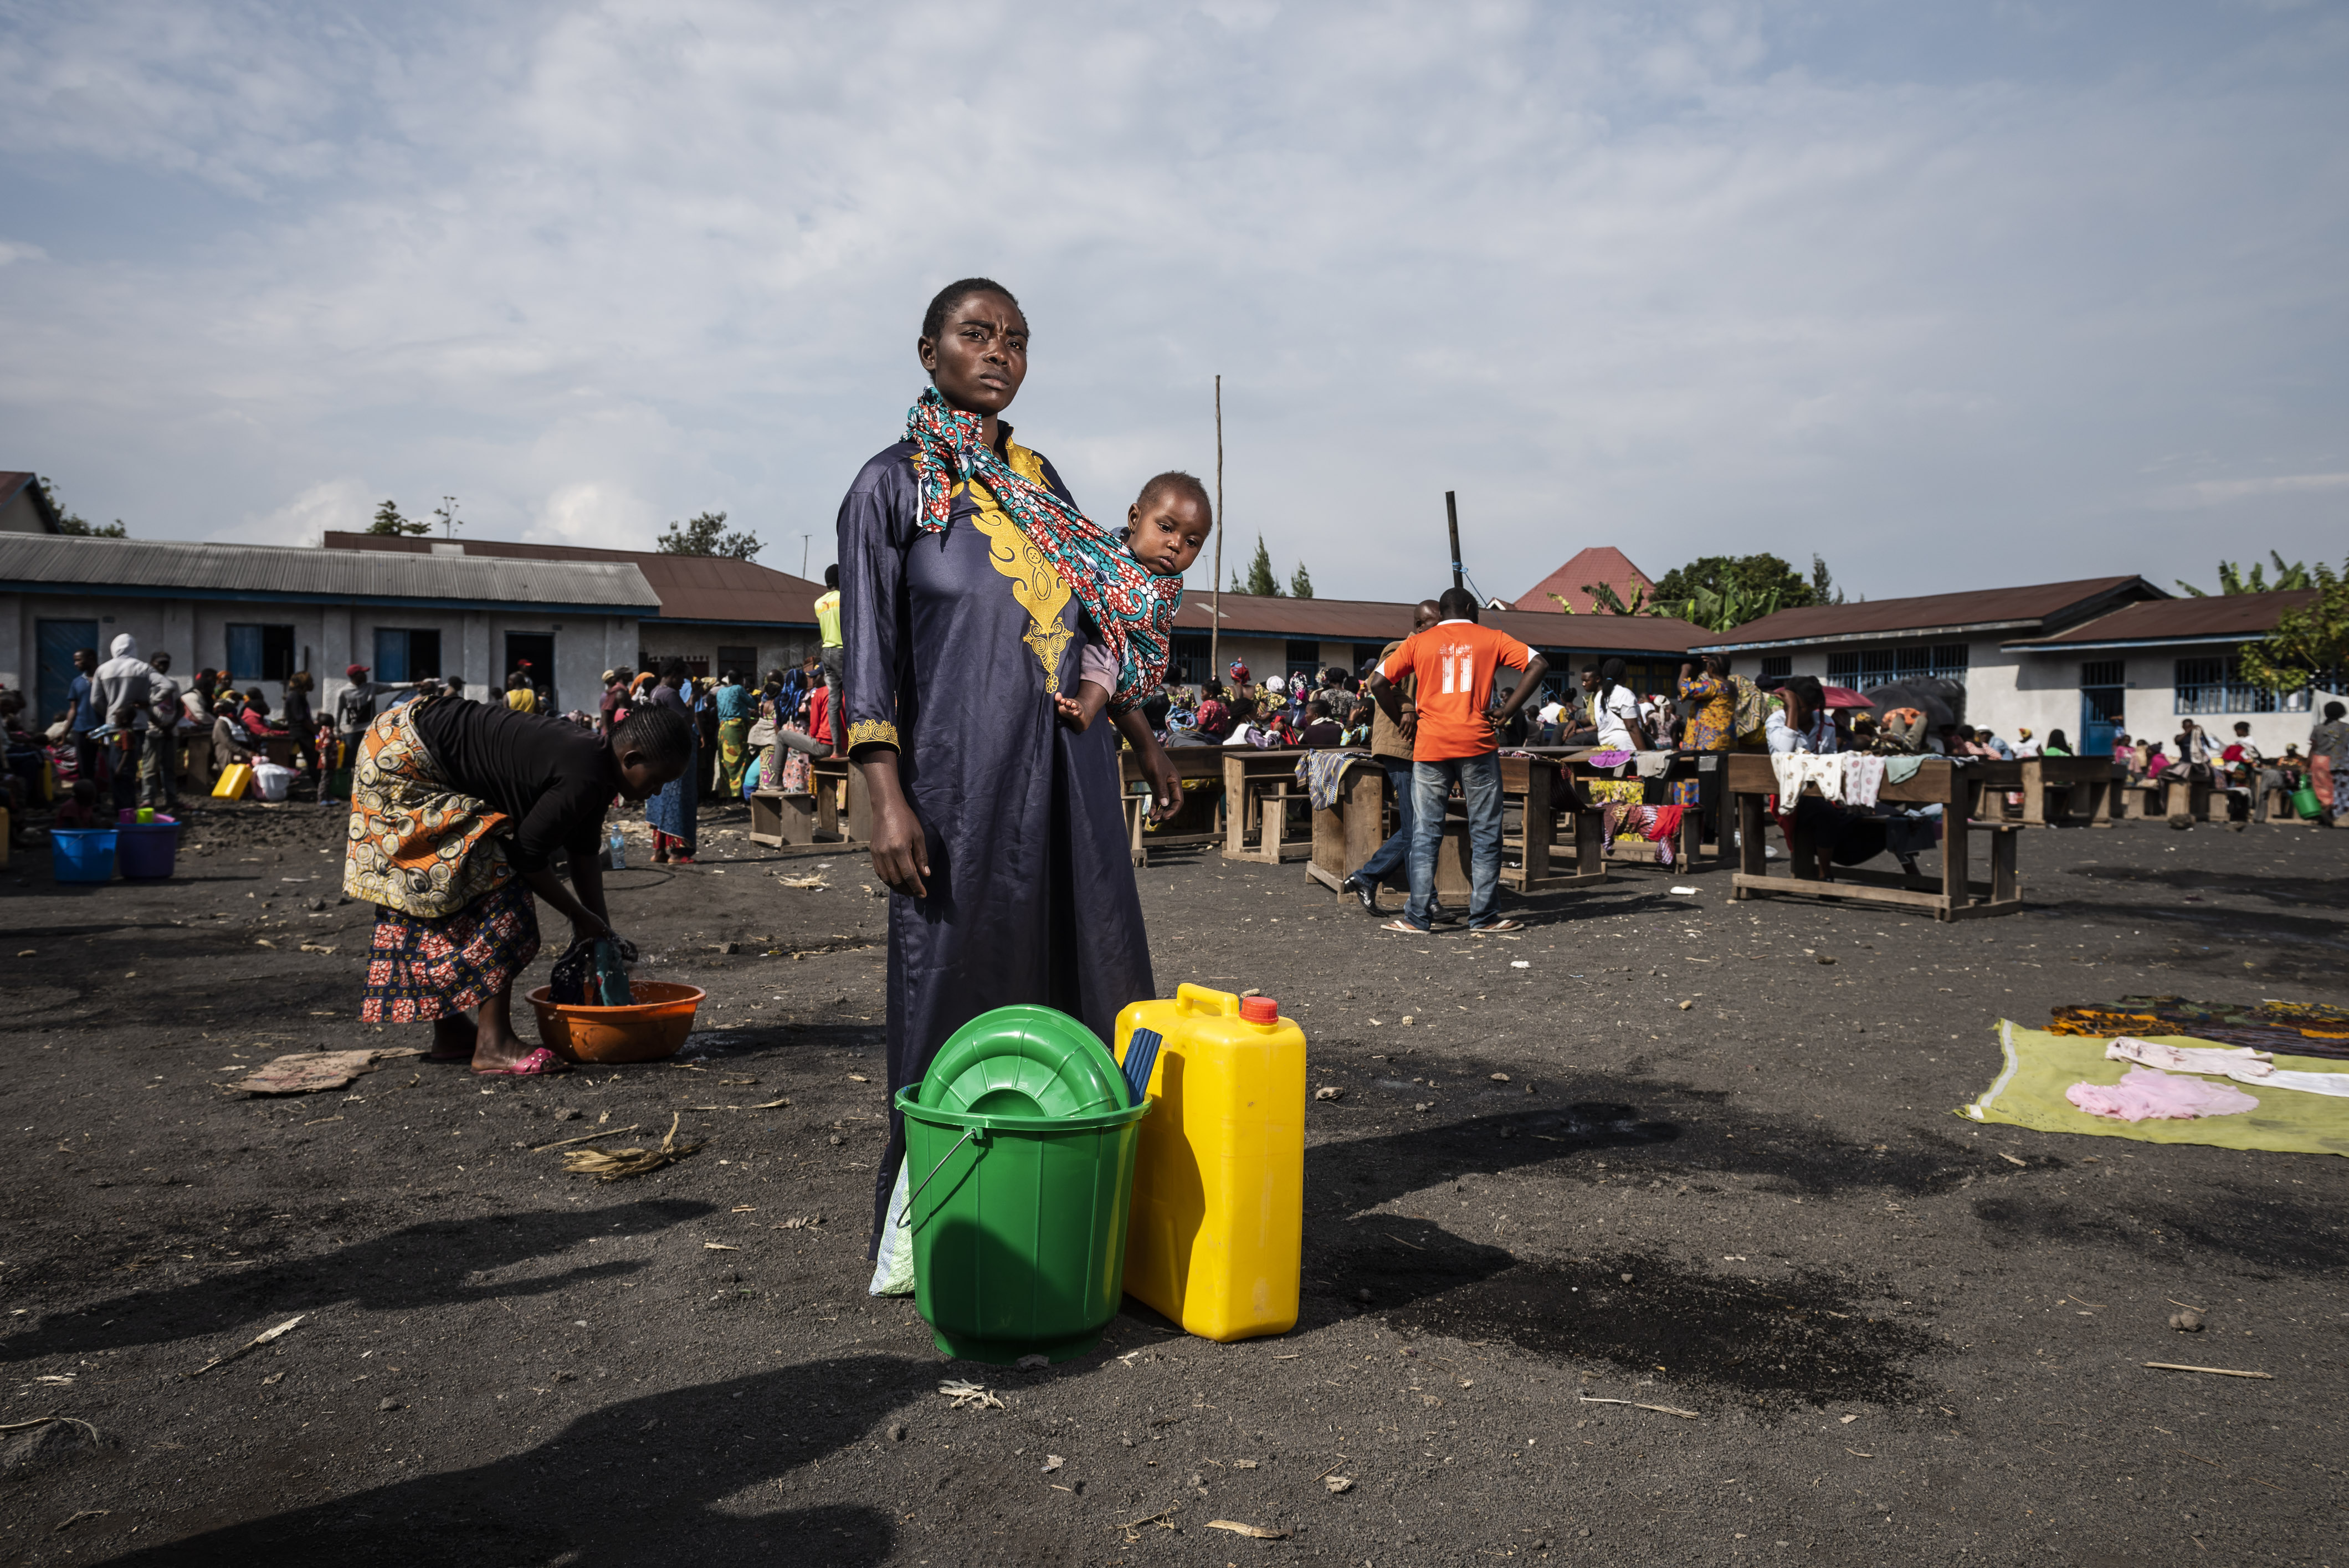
[[1712, 1274]]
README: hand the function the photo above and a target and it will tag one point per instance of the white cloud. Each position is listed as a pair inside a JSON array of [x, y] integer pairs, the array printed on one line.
[[1684, 279], [332, 504]]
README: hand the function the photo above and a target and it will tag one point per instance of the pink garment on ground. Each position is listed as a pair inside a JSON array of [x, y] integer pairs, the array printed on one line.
[[2147, 1095]]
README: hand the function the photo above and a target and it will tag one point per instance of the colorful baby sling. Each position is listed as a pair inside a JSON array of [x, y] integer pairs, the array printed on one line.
[[1132, 610]]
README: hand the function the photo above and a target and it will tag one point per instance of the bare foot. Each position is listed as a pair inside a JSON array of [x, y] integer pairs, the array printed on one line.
[[495, 1044]]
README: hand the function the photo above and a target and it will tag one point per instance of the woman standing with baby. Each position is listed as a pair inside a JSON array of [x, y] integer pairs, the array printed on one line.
[[996, 823]]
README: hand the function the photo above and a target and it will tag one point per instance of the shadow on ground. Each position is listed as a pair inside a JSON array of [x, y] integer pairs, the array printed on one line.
[[695, 1475], [419, 1266]]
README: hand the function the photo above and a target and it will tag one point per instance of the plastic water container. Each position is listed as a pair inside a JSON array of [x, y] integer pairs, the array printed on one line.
[[147, 851], [1217, 1235], [617, 851], [82, 854], [1019, 1152]]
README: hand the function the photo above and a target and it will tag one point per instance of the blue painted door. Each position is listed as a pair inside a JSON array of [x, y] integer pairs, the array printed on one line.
[[59, 640], [2100, 720]]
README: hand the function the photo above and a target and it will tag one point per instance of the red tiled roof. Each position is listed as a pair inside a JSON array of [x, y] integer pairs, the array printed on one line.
[[1376, 620], [691, 588], [2217, 617], [1598, 564], [2027, 611]]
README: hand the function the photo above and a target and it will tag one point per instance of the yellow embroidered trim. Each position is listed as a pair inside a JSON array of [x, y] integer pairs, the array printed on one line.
[[871, 732], [1034, 583]]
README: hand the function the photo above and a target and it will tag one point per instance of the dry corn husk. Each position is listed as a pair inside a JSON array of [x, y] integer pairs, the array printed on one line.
[[611, 1165]]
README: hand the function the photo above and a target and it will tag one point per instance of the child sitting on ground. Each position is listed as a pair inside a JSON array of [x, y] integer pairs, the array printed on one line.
[[1164, 528], [79, 809]]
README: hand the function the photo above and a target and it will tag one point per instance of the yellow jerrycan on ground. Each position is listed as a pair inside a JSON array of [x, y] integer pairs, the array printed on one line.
[[1217, 1226]]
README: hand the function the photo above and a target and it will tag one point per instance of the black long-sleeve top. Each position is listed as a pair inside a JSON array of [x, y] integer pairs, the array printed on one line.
[[551, 778]]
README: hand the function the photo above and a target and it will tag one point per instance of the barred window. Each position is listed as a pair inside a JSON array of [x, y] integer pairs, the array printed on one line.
[[1777, 666], [2217, 686], [1190, 664], [1880, 666], [2103, 672]]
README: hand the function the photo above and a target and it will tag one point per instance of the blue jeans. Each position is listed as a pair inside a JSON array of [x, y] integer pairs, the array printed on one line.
[[1431, 783], [1391, 862]]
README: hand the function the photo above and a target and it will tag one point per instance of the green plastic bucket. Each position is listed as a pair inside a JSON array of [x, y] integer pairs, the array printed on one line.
[[1018, 1226], [1024, 1061], [2305, 802]]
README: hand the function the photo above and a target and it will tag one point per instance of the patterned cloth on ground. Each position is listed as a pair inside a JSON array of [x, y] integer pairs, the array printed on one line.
[[422, 969], [2309, 1029], [417, 844]]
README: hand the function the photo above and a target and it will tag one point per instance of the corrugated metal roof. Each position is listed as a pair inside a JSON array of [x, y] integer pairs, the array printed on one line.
[[2220, 617], [1598, 564], [1375, 621], [157, 566], [2025, 611], [690, 587]]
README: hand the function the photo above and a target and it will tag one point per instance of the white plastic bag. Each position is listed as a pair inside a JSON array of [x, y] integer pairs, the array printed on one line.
[[893, 1267], [272, 780]]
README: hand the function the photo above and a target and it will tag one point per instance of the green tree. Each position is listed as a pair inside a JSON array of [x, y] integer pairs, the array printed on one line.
[[2310, 646], [1300, 583], [388, 520], [1605, 601], [74, 523], [2231, 580], [1260, 580], [1822, 588], [705, 535], [1718, 592]]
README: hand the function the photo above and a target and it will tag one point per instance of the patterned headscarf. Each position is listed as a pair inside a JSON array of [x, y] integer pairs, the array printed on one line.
[[1134, 609]]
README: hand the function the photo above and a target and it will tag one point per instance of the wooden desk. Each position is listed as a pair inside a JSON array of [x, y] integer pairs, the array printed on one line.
[[1351, 831], [1690, 852], [1257, 788], [1142, 835], [1751, 778]]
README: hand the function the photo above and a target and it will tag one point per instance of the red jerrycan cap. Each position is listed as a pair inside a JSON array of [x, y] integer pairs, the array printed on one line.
[[1259, 1009]]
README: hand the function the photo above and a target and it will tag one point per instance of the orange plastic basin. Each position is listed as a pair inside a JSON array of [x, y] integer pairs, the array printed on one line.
[[650, 1028]]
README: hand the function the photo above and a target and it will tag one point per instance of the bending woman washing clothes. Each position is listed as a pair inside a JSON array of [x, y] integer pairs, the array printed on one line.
[[456, 809], [997, 829]]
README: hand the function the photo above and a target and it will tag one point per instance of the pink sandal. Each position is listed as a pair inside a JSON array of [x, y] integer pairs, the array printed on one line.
[[540, 1063]]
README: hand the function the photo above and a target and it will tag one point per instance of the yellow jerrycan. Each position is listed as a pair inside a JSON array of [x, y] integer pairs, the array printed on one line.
[[1217, 1225]]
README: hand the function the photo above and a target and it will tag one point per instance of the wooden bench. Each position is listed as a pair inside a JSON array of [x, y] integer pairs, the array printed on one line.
[[1751, 778], [778, 818], [814, 816]]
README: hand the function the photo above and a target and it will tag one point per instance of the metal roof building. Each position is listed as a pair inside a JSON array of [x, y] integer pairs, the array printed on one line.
[[261, 612]]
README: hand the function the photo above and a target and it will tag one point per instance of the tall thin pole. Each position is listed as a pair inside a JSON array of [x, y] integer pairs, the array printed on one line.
[[805, 541], [1215, 583], [1451, 516]]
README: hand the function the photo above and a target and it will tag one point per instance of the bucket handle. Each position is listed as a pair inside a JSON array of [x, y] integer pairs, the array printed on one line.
[[906, 1217]]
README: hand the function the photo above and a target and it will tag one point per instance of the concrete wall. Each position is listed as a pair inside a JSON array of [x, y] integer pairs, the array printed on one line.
[[326, 638], [2008, 692], [19, 516], [778, 649]]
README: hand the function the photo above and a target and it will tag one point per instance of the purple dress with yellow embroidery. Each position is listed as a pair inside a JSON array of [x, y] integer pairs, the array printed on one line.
[[956, 641]]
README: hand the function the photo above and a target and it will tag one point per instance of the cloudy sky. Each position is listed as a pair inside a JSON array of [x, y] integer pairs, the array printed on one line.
[[1955, 295]]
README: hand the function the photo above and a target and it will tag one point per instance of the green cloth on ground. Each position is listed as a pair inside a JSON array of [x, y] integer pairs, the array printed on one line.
[[2029, 1093]]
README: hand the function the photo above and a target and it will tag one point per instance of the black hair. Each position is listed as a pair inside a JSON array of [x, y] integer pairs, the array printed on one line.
[[1175, 479], [1806, 691], [2334, 711], [89, 653], [1457, 604], [662, 734], [1318, 706], [673, 669], [832, 576], [2055, 738], [1243, 710], [934, 320]]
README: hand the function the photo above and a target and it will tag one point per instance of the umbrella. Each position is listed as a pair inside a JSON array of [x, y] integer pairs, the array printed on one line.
[[1941, 701], [1843, 697]]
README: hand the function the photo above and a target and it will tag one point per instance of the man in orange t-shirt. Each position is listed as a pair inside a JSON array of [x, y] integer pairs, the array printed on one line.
[[1455, 738]]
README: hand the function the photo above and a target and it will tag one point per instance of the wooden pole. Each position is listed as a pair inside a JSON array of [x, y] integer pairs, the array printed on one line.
[[1451, 516], [1215, 583]]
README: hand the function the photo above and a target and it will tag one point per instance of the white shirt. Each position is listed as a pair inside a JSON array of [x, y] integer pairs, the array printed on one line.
[[1617, 713], [1818, 736]]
